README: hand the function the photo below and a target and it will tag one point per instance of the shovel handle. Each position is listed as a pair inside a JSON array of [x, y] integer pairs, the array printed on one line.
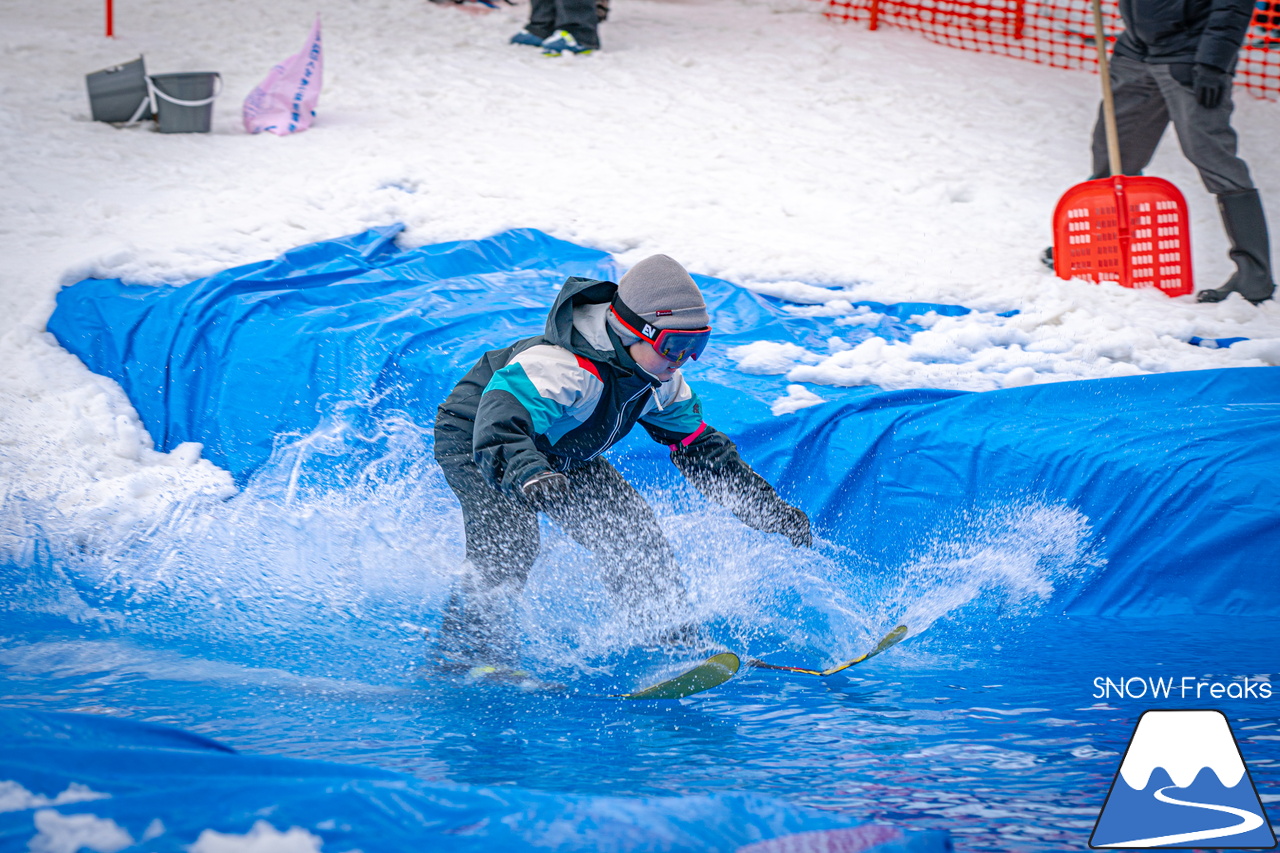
[[1108, 102]]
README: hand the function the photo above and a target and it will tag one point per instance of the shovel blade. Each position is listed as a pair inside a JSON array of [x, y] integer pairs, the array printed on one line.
[[1132, 230]]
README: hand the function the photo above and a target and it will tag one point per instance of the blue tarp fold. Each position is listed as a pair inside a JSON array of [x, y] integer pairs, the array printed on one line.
[[1175, 473], [150, 788]]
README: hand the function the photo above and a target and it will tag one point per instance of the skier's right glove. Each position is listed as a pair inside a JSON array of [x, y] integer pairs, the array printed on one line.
[[544, 490], [792, 523]]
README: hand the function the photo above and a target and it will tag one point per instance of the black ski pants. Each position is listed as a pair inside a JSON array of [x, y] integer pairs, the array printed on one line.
[[1147, 99], [604, 513], [578, 17]]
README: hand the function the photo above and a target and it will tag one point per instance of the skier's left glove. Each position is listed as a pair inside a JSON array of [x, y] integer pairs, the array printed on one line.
[[1210, 84], [714, 467], [792, 523]]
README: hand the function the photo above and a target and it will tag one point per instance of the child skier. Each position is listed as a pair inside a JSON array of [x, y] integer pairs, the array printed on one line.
[[523, 433]]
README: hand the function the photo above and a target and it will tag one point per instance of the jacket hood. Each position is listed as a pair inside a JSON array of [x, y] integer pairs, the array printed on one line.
[[577, 293]]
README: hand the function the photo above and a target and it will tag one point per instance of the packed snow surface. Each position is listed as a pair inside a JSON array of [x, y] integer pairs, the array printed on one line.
[[751, 139]]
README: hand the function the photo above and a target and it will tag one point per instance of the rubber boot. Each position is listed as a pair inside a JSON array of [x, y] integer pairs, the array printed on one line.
[[1246, 227]]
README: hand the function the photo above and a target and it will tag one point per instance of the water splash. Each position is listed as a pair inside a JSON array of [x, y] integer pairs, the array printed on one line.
[[338, 555], [1001, 564]]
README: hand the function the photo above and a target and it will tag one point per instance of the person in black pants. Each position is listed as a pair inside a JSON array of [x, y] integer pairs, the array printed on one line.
[[563, 26], [523, 433], [1174, 63]]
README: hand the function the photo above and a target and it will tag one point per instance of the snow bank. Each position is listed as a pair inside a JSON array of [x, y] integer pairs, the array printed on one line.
[[1067, 330], [751, 139]]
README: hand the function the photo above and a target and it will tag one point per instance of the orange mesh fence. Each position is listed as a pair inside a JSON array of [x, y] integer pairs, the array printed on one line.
[[1052, 32]]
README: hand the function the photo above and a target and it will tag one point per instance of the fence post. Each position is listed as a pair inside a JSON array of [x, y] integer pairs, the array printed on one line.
[[111, 28], [875, 15]]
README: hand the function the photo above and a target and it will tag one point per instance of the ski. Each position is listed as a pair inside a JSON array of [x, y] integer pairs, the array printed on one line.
[[890, 639], [518, 678], [712, 672]]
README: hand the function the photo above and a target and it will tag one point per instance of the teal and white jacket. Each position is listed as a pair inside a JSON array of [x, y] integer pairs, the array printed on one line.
[[557, 400], [562, 398]]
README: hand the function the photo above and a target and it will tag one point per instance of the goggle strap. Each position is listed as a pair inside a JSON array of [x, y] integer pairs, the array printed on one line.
[[633, 321]]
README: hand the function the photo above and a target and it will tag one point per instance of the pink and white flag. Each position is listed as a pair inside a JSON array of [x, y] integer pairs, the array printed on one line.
[[285, 102]]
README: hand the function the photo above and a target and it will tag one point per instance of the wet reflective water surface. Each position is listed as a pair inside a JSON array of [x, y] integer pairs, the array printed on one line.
[[301, 625]]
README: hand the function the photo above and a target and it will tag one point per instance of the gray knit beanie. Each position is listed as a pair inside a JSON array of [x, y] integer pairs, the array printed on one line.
[[662, 293]]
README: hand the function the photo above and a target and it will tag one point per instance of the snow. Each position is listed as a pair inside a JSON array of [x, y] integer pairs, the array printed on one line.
[[14, 797], [1059, 335], [63, 833], [59, 833], [751, 139], [798, 397], [262, 838]]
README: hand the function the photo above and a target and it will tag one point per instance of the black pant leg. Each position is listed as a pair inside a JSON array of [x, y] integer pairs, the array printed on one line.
[[502, 533], [542, 18], [580, 19], [502, 544], [609, 517], [1141, 117]]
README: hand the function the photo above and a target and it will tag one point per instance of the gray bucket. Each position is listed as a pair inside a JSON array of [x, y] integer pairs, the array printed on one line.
[[184, 102], [119, 93]]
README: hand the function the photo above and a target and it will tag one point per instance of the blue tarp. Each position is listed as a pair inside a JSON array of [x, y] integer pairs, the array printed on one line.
[[129, 787], [1175, 473]]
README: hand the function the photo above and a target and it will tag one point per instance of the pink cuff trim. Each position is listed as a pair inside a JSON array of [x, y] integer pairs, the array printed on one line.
[[691, 437]]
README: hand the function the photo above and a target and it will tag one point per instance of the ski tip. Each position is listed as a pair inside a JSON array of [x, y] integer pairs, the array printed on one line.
[[712, 672], [890, 639], [728, 660]]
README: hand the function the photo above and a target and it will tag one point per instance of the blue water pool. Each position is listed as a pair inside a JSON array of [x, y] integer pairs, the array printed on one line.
[[1065, 556], [989, 724]]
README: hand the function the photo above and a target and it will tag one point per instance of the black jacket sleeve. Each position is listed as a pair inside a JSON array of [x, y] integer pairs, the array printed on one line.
[[1224, 32], [712, 464], [503, 442]]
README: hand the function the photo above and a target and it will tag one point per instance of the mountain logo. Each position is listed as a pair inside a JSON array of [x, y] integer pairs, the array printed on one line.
[[1182, 783]]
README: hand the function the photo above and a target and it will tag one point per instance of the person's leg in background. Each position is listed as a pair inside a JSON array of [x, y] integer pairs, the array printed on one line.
[[1141, 117], [542, 23], [1209, 142], [577, 27]]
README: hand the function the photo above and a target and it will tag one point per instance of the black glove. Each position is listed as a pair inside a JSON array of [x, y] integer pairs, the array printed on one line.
[[713, 466], [545, 490], [792, 523], [1210, 84]]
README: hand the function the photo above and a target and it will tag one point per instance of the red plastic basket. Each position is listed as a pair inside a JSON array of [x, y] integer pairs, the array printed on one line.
[[1128, 229]]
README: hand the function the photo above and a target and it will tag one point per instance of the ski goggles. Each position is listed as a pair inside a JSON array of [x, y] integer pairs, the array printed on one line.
[[675, 345]]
